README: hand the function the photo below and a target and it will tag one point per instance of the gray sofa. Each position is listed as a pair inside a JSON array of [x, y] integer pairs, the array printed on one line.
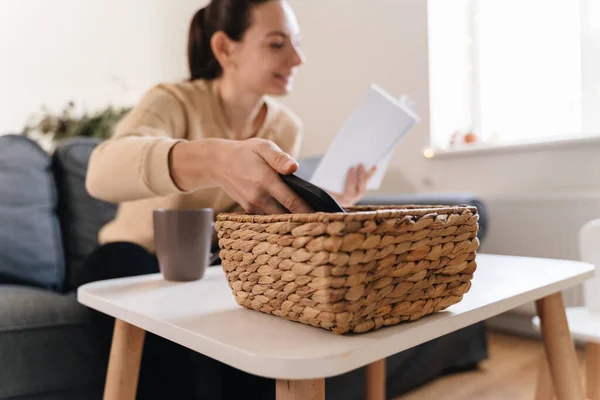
[[48, 224]]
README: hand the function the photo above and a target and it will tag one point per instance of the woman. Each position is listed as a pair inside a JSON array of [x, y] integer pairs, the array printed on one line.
[[176, 148], [214, 141]]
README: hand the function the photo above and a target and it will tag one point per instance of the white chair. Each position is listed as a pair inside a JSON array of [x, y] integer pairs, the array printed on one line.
[[584, 322]]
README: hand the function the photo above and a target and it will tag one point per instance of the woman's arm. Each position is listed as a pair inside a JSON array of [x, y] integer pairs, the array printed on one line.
[[248, 170], [150, 156], [134, 163]]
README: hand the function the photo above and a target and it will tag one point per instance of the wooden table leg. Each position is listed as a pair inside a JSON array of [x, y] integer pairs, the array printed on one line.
[[559, 348], [543, 387], [301, 390], [375, 379], [124, 362], [592, 371]]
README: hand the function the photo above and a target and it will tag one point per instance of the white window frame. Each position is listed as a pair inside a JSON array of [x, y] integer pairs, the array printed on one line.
[[590, 40]]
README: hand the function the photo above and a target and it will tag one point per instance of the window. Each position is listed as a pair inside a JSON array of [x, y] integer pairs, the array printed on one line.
[[514, 70]]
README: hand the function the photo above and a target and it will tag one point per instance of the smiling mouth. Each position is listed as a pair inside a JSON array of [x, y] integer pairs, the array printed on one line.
[[284, 78]]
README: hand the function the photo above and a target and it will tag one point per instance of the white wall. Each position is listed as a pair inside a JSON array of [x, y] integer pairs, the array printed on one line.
[[590, 29], [570, 167], [93, 52], [53, 51]]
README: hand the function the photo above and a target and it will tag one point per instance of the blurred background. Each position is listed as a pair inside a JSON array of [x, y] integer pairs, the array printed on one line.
[[508, 91]]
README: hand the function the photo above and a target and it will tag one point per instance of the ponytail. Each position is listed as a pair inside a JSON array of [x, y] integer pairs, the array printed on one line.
[[201, 60], [233, 17]]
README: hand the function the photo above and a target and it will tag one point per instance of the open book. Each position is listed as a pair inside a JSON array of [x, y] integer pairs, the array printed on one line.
[[369, 137]]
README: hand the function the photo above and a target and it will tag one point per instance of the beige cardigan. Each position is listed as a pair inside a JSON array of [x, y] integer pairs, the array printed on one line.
[[132, 167]]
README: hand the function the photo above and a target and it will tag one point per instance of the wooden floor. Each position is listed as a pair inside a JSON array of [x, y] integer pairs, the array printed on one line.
[[509, 373]]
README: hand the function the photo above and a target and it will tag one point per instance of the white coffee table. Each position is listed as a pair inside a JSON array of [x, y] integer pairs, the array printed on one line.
[[204, 316]]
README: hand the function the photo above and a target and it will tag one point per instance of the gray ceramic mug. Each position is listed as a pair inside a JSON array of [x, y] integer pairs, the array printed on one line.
[[183, 239]]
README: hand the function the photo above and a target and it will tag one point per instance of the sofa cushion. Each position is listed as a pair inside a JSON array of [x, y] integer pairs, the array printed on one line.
[[46, 344], [30, 240], [81, 216]]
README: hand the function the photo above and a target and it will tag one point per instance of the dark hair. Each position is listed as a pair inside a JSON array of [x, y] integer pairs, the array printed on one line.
[[230, 16]]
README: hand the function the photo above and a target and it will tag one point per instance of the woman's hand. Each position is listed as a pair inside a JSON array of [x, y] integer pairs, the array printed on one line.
[[247, 170], [356, 186]]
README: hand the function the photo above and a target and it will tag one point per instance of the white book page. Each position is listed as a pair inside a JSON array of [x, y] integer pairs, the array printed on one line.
[[369, 137], [377, 178]]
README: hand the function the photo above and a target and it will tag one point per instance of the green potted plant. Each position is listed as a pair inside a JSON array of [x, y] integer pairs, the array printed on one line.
[[49, 128]]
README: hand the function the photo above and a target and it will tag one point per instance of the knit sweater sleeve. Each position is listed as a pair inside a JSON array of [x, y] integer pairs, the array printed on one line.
[[134, 163]]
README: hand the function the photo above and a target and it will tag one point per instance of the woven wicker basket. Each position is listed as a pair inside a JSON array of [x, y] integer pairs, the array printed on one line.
[[371, 267]]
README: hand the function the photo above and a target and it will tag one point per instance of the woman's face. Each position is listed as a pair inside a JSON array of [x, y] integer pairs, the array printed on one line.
[[267, 58]]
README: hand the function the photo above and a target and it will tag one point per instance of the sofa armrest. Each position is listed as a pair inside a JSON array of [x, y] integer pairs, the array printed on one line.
[[81, 215], [449, 199]]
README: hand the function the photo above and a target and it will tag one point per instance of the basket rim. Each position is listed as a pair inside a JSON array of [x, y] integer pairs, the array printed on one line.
[[356, 213]]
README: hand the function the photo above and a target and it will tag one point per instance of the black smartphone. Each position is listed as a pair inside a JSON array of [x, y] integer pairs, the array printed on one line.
[[316, 197]]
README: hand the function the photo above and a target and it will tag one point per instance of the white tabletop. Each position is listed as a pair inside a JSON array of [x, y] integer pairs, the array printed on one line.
[[204, 316]]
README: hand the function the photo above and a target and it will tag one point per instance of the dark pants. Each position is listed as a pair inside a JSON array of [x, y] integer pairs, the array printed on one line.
[[170, 371]]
